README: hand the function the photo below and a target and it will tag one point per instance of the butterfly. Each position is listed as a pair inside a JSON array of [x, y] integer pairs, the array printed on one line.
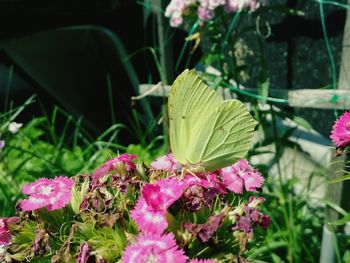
[[206, 132]]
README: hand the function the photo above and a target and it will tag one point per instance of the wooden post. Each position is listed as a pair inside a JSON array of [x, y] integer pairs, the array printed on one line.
[[166, 56], [164, 44]]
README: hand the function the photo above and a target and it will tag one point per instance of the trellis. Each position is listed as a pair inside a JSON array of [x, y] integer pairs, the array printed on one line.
[[327, 99]]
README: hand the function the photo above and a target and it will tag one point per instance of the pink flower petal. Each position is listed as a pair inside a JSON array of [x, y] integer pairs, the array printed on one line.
[[33, 187], [167, 163], [195, 260], [125, 159], [154, 248], [5, 234], [50, 193], [64, 183], [153, 197], [252, 181], [242, 175], [232, 181], [34, 202], [148, 220], [59, 200]]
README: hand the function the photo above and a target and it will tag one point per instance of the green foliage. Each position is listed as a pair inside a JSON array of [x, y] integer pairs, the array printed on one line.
[[38, 149], [107, 242]]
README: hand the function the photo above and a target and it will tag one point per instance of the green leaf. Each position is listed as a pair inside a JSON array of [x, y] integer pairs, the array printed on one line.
[[302, 122], [78, 195], [340, 179], [341, 221]]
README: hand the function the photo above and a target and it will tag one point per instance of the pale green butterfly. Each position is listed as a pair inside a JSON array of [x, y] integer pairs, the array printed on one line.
[[206, 132]]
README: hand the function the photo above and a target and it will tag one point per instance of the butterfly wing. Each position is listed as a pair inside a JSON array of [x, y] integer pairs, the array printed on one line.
[[222, 137], [189, 101]]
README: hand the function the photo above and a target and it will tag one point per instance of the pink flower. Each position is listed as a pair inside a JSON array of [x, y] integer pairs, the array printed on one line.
[[340, 134], [174, 11], [204, 13], [124, 161], [207, 180], [242, 175], [195, 260], [148, 220], [236, 5], [151, 208], [5, 234], [84, 253], [34, 202], [167, 163], [50, 193], [154, 248]]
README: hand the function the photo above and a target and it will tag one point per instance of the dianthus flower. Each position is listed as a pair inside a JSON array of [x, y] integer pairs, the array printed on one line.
[[166, 163], [237, 5], [196, 260], [340, 134], [122, 163], [50, 193], [5, 234], [151, 208], [178, 9], [241, 175], [174, 11], [201, 190], [154, 248]]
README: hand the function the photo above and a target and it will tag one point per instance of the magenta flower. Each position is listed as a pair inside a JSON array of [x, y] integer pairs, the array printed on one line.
[[167, 163], [340, 134], [84, 253], [154, 248], [208, 180], [124, 161], [5, 234], [148, 220], [196, 260], [151, 208], [201, 190], [241, 175], [50, 193]]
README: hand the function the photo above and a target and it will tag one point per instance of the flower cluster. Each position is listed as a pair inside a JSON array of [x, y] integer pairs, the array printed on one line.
[[50, 193], [133, 213], [205, 9]]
